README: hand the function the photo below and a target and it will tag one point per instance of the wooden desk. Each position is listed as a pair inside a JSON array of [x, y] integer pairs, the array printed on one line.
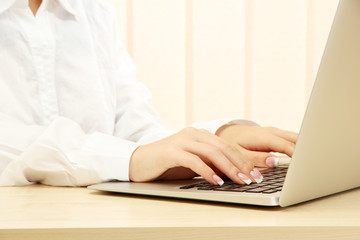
[[52, 213]]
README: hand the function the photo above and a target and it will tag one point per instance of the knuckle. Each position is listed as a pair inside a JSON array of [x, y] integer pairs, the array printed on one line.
[[233, 170], [247, 167], [207, 171], [189, 131], [214, 151], [230, 147], [249, 158]]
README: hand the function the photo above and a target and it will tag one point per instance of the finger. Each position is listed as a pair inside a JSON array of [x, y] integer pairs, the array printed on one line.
[[235, 154], [224, 156], [288, 135], [259, 159], [194, 163], [278, 161], [265, 159], [214, 156], [230, 151], [278, 144], [271, 143]]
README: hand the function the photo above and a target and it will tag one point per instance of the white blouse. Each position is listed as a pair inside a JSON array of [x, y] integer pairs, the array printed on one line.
[[71, 111]]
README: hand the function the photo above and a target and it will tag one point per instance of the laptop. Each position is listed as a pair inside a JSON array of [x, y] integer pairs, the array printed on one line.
[[326, 158]]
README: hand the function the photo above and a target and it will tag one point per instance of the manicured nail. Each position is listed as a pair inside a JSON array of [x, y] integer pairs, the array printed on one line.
[[284, 161], [275, 161], [218, 180], [244, 178], [256, 175], [272, 161]]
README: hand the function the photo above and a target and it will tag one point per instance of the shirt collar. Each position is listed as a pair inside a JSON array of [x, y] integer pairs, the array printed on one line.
[[6, 4], [68, 6]]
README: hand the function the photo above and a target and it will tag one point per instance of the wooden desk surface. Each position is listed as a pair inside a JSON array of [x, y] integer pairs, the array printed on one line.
[[41, 212]]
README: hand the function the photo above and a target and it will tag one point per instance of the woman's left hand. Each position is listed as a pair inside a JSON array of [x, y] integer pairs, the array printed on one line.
[[257, 142]]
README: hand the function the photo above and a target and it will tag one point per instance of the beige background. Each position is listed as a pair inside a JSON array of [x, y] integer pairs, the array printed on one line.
[[210, 59]]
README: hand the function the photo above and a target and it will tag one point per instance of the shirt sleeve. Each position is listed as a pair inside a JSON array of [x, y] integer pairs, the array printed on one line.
[[60, 154], [136, 118]]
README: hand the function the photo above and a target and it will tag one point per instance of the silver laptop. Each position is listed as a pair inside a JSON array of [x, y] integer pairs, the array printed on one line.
[[327, 156]]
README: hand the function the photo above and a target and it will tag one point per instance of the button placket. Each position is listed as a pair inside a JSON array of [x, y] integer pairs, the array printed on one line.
[[42, 44]]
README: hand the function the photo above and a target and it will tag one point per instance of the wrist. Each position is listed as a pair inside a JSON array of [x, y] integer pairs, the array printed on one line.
[[134, 159]]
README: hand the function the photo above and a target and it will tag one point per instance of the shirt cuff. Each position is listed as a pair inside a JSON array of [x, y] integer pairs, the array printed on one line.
[[108, 155]]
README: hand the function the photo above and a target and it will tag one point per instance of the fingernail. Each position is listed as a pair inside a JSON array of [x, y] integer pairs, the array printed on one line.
[[284, 161], [272, 161], [244, 178], [275, 161], [256, 175], [218, 180]]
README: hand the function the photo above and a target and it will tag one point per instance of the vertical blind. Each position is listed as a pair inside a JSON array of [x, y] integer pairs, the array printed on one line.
[[242, 59]]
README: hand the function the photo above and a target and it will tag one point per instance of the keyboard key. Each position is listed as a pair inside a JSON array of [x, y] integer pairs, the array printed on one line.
[[270, 191], [230, 190], [254, 191], [189, 186], [258, 190], [207, 188], [273, 181]]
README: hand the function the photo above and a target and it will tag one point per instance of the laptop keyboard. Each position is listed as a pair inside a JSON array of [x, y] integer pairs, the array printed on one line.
[[272, 183]]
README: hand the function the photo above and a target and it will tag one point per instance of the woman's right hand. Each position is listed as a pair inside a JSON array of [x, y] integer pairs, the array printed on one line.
[[189, 153]]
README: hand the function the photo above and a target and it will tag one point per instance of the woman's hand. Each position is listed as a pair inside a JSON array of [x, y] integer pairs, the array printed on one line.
[[191, 153], [258, 142]]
